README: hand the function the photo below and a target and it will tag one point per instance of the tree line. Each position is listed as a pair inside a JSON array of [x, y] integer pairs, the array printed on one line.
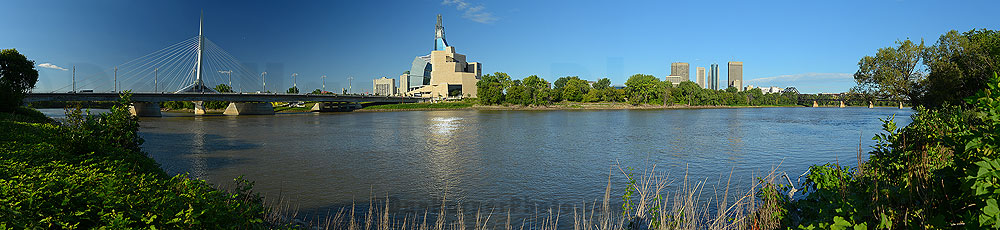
[[942, 171], [498, 88], [956, 67]]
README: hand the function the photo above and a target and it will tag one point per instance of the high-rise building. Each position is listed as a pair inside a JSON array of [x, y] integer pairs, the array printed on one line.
[[404, 82], [384, 86], [680, 69], [700, 75], [736, 74], [675, 80], [713, 76]]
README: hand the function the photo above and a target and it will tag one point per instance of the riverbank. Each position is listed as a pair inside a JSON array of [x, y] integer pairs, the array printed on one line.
[[88, 172], [555, 106]]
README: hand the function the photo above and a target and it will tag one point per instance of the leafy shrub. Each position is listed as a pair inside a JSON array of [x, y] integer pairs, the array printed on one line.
[[89, 173], [940, 171]]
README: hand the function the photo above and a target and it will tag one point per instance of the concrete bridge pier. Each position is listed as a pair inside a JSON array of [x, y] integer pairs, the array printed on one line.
[[871, 105], [334, 107], [842, 104], [815, 104], [199, 107], [249, 108], [145, 109]]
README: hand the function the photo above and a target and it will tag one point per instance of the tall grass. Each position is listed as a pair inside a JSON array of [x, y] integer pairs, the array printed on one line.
[[661, 202]]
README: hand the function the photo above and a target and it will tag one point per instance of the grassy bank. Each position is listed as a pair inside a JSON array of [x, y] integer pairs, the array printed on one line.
[[88, 172]]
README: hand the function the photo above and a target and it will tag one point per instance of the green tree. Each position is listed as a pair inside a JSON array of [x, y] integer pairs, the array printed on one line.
[[317, 91], [293, 89], [592, 96], [560, 83], [643, 89], [892, 73], [518, 94], [613, 95], [960, 64], [575, 88], [603, 83], [539, 89], [688, 93], [490, 88], [17, 77], [221, 88]]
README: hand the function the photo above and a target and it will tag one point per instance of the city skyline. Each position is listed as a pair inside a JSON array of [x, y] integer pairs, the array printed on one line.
[[781, 42]]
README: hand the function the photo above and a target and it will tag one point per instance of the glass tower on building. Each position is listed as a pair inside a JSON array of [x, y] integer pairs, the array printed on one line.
[[713, 79]]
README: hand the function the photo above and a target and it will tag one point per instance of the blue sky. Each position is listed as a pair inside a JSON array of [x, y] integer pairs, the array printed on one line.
[[813, 45]]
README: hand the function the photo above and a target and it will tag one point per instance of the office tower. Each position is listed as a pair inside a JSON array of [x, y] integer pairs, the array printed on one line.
[[674, 80], [384, 86], [714, 76], [700, 75], [680, 69], [736, 74]]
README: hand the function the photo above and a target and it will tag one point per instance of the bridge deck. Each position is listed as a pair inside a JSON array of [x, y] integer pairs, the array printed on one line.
[[233, 97]]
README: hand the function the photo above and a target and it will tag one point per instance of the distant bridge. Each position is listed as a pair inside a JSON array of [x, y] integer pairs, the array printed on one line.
[[231, 97], [815, 101], [185, 71], [148, 104]]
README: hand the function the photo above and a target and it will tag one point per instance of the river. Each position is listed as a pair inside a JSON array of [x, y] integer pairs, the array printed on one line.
[[523, 161]]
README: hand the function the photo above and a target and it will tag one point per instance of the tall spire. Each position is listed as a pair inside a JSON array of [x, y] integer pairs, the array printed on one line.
[[198, 85], [439, 42], [201, 49]]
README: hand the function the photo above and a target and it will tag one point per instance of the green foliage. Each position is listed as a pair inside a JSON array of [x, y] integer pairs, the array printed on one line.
[[293, 89], [603, 83], [221, 88], [177, 105], [490, 89], [575, 88], [89, 173], [985, 183], [645, 89], [25, 114], [955, 67], [959, 65], [106, 132], [892, 72], [497, 88], [539, 89], [630, 190], [940, 171], [17, 77]]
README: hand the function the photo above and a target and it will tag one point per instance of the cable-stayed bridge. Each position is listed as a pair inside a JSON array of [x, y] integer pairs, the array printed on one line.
[[187, 71]]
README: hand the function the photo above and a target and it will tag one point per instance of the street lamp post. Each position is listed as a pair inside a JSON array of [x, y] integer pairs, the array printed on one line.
[[230, 72], [263, 83], [324, 83], [294, 84], [349, 89]]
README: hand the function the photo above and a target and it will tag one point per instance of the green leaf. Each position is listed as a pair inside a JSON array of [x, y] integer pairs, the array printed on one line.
[[861, 226], [839, 223], [991, 208]]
